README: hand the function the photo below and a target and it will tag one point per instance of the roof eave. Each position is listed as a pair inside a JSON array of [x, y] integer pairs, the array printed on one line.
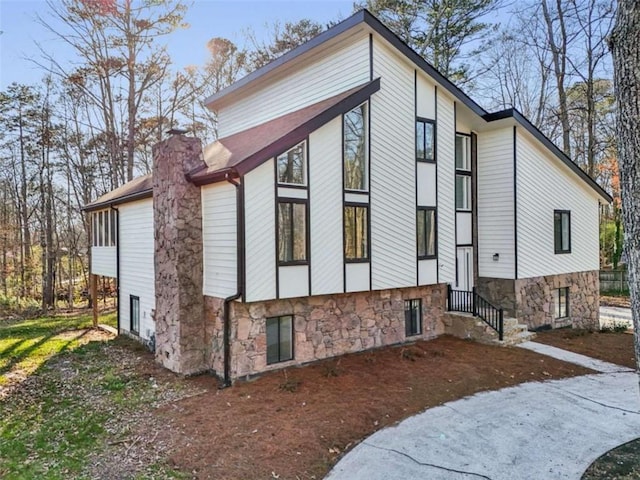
[[92, 207]]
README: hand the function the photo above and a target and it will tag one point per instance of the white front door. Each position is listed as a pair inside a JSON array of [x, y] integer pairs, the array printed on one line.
[[464, 269]]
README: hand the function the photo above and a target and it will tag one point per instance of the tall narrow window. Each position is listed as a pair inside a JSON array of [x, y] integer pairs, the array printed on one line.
[[279, 339], [425, 140], [356, 233], [134, 313], [463, 152], [463, 172], [561, 301], [463, 192], [94, 226], [101, 229], [562, 231], [413, 317], [113, 228], [426, 222], [292, 232], [292, 166], [355, 148]]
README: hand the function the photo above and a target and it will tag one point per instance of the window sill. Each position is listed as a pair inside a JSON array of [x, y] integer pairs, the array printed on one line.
[[356, 260], [428, 257], [296, 263], [562, 252], [423, 160], [301, 186]]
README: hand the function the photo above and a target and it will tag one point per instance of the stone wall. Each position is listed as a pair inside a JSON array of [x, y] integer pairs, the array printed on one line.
[[179, 315], [535, 300], [324, 326], [500, 292]]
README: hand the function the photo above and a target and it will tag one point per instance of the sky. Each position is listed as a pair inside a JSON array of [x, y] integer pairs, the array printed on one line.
[[207, 19]]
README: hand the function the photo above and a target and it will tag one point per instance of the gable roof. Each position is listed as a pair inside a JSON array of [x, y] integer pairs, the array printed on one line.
[[136, 189], [542, 138], [241, 152]]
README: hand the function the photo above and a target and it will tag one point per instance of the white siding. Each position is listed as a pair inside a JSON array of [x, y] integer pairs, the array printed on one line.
[[495, 204], [427, 272], [103, 261], [357, 275], [325, 171], [545, 185], [323, 75], [294, 281], [260, 233], [393, 200], [445, 135], [426, 184], [426, 97], [463, 228], [219, 225], [137, 272]]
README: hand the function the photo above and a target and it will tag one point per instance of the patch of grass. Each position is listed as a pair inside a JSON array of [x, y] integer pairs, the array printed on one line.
[[615, 327], [26, 344], [621, 463]]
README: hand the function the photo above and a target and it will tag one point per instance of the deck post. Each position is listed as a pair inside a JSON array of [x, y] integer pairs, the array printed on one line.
[[94, 298]]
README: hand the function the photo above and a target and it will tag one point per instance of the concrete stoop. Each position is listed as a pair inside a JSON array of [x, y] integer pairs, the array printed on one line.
[[466, 326]]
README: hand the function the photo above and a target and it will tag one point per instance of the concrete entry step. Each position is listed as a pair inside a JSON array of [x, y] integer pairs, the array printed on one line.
[[465, 325]]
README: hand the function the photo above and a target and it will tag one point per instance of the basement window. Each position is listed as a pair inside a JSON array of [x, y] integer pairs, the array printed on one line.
[[134, 314], [279, 339], [561, 302], [413, 317]]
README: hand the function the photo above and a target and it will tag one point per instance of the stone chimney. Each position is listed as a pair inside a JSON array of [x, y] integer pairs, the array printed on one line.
[[177, 215]]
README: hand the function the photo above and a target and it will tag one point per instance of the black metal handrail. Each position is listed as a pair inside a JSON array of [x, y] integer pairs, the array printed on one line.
[[474, 303]]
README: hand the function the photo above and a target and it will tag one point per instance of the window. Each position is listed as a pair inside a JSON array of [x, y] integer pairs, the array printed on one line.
[[279, 339], [113, 229], [292, 166], [425, 140], [426, 222], [561, 302], [104, 228], [413, 317], [356, 233], [292, 231], [463, 192], [355, 148], [463, 152], [134, 313], [562, 231], [101, 229]]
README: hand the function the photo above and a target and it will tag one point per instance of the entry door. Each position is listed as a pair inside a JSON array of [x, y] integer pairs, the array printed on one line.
[[464, 269]]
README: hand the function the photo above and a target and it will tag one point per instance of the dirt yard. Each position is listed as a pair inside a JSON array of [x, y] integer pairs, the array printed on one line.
[[608, 346], [296, 424]]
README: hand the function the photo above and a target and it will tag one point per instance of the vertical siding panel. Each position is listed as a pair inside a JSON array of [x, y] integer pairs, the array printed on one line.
[[544, 185], [219, 233], [137, 271], [323, 75], [260, 233], [393, 198], [495, 204], [445, 133], [325, 168], [426, 107]]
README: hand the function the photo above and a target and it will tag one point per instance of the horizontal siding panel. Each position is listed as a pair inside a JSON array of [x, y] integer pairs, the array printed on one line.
[[325, 171], [103, 261], [323, 75], [219, 237], [495, 204], [544, 185], [260, 233], [393, 200], [137, 271]]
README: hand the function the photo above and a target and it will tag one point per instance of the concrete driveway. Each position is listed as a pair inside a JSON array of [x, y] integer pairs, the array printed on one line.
[[548, 430]]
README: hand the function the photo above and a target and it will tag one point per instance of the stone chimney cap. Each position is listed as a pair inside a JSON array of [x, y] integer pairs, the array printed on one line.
[[177, 131]]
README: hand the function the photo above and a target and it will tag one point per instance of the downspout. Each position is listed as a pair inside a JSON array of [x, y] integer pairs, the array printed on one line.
[[239, 279], [117, 267]]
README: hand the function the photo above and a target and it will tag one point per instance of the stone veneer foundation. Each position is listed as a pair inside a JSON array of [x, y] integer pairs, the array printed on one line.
[[324, 326], [531, 300]]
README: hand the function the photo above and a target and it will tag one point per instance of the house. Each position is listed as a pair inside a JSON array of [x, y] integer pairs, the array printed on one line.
[[352, 187]]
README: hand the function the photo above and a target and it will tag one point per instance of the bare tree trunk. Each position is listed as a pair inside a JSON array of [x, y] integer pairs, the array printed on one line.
[[626, 61]]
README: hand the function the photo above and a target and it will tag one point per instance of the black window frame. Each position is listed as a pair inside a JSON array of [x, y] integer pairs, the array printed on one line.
[[279, 319], [468, 138], [424, 122], [303, 146], [427, 256], [367, 153], [134, 299], [557, 313], [367, 250], [558, 248], [410, 319], [293, 201]]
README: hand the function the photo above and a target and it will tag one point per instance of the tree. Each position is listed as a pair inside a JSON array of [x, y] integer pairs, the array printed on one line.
[[626, 61], [283, 39], [445, 32]]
